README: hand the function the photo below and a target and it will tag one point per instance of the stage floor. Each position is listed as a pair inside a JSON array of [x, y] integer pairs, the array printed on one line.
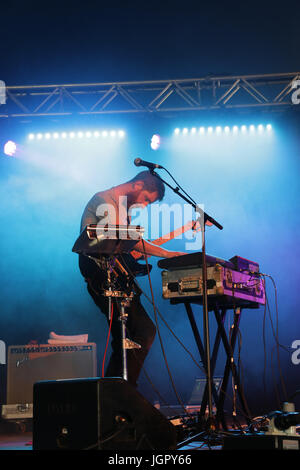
[[15, 437]]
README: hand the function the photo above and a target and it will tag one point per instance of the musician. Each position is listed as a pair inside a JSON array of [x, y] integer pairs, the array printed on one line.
[[113, 206]]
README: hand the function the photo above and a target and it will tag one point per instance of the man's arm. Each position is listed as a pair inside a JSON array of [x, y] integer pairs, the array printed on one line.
[[153, 250]]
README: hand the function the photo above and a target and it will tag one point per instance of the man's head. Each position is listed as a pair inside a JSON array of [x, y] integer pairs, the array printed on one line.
[[146, 188]]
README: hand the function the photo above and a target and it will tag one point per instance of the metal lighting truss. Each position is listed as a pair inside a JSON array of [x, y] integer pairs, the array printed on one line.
[[194, 94]]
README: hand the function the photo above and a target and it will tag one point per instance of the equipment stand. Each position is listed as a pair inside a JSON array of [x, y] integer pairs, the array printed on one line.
[[229, 346], [126, 343], [204, 219]]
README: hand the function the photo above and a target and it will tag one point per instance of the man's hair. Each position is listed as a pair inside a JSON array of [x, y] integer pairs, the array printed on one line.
[[151, 183]]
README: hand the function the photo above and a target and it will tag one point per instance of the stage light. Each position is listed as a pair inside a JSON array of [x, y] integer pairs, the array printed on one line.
[[219, 130], [120, 133], [155, 142], [10, 148]]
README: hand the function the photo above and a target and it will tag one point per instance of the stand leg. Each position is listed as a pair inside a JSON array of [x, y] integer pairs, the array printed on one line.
[[230, 365], [202, 355], [214, 360], [123, 318], [206, 327], [126, 342]]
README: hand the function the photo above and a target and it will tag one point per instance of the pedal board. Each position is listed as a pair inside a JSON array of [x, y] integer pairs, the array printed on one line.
[[261, 441]]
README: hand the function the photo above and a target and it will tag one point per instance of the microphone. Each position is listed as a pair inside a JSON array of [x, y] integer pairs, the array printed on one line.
[[151, 166]]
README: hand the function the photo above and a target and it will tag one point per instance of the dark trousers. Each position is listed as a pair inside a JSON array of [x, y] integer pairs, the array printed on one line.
[[139, 328]]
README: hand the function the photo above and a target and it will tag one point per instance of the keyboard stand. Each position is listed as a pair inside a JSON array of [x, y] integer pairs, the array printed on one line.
[[229, 342]]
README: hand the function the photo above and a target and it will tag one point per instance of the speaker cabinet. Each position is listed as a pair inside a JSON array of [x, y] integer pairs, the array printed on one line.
[[32, 363], [95, 413]]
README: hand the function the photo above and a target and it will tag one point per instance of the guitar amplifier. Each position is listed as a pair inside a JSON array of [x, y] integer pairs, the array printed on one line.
[[33, 363], [229, 287]]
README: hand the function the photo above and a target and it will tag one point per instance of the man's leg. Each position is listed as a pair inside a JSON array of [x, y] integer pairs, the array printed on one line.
[[141, 330]]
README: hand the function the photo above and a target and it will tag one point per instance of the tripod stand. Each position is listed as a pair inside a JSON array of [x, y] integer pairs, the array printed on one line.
[[123, 299], [102, 243]]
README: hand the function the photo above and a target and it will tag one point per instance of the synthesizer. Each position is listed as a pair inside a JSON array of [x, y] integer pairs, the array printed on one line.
[[233, 283]]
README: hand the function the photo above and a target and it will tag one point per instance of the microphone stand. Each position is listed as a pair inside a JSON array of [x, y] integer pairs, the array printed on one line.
[[206, 218]]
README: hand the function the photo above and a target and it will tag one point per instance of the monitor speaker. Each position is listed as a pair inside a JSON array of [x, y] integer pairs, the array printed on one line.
[[97, 413]]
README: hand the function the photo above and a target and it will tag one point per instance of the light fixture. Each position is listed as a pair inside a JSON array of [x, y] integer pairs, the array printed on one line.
[[77, 134], [155, 142], [10, 148]]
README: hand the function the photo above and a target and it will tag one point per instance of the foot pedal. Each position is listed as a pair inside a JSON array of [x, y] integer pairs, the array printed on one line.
[[128, 344]]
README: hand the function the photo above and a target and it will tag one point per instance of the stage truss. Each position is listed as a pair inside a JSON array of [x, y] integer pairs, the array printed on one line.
[[268, 91]]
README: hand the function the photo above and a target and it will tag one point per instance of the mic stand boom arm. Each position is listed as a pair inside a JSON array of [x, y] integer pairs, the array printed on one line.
[[205, 218]]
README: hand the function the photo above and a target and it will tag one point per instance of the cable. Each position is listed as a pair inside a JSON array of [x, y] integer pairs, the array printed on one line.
[[166, 324], [159, 335], [108, 336], [180, 187], [171, 331], [156, 310], [107, 439], [275, 333]]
